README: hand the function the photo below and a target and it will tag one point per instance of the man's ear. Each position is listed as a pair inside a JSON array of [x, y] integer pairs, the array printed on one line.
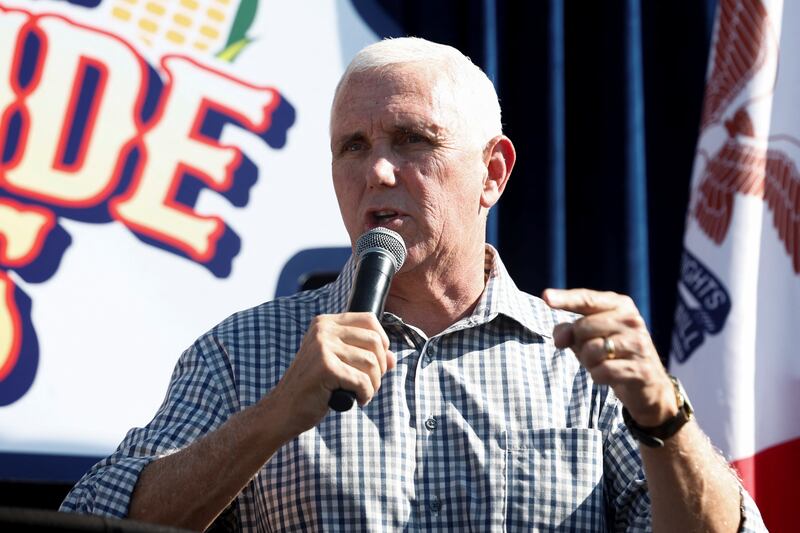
[[499, 157]]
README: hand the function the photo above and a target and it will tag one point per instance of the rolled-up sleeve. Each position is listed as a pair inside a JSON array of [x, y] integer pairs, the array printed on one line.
[[198, 400], [751, 517], [628, 501]]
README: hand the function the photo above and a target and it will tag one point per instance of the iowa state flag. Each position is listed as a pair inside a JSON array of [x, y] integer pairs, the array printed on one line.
[[736, 344]]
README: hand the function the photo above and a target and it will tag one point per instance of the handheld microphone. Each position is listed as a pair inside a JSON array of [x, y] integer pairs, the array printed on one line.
[[381, 252]]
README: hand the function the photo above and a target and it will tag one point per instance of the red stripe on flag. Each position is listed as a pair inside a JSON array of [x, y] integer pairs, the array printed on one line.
[[771, 477]]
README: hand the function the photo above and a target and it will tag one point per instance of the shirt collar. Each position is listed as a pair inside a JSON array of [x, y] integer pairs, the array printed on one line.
[[339, 290], [500, 297]]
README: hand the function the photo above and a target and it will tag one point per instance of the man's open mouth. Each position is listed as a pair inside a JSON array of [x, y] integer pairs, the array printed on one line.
[[384, 215]]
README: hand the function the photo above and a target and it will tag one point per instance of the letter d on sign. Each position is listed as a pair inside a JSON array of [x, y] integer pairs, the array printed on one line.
[[67, 50]]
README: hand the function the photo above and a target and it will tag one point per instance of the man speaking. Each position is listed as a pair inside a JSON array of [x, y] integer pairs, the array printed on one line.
[[481, 408]]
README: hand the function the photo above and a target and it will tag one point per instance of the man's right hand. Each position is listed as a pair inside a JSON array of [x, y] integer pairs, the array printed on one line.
[[347, 351]]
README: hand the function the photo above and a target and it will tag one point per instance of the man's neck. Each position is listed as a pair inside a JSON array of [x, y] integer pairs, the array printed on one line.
[[434, 298]]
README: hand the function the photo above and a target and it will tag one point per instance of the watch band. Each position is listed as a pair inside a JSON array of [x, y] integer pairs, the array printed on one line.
[[654, 437]]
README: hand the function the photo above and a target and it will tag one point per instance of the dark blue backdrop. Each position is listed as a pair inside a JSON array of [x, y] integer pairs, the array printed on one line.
[[602, 101]]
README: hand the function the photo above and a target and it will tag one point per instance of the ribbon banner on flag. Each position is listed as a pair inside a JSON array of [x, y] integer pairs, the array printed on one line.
[[739, 292]]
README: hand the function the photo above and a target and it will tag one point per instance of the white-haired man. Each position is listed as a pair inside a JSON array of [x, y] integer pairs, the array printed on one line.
[[482, 408]]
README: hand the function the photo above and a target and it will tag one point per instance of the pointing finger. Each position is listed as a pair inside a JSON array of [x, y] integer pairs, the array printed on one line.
[[585, 301]]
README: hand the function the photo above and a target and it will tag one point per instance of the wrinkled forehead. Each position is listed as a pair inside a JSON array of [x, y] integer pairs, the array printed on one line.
[[419, 85]]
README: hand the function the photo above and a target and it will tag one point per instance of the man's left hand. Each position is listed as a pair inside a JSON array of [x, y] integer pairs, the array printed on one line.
[[611, 340]]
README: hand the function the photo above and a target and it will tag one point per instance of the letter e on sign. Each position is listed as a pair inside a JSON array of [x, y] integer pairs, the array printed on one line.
[[175, 145]]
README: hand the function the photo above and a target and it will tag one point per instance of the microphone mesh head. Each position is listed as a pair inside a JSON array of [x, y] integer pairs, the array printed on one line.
[[382, 239]]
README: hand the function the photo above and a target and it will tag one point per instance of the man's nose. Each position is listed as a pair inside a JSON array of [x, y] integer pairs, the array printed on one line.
[[382, 173]]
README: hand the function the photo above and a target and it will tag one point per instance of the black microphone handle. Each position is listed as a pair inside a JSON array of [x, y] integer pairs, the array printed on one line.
[[370, 288]]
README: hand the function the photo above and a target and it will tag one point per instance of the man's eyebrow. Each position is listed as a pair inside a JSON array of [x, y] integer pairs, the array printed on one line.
[[428, 128]]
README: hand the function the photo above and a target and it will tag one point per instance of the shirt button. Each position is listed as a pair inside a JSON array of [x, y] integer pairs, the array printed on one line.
[[435, 506], [431, 423]]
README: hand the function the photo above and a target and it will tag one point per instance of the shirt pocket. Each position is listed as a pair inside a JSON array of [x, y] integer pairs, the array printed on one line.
[[554, 480]]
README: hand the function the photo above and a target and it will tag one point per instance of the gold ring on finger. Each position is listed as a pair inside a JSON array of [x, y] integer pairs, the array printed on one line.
[[608, 346]]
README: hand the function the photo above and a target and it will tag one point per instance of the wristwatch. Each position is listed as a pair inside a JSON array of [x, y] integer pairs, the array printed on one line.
[[655, 436]]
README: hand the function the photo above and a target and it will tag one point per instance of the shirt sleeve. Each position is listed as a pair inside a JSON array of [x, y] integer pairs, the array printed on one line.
[[751, 516], [627, 499], [196, 402]]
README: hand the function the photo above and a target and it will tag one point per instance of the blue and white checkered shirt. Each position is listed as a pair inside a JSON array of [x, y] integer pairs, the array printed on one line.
[[483, 427]]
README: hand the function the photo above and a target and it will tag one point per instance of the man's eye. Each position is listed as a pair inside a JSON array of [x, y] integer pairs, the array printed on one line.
[[353, 146], [413, 138]]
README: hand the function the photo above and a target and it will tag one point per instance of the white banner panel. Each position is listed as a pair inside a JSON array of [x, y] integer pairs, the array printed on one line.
[[162, 160]]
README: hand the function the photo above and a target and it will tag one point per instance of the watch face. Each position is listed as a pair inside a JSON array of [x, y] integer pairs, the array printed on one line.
[[683, 399]]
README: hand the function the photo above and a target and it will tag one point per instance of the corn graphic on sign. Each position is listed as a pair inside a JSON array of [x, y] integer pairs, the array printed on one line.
[[200, 25]]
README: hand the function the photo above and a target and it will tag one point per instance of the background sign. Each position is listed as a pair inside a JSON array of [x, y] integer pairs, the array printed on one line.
[[162, 160]]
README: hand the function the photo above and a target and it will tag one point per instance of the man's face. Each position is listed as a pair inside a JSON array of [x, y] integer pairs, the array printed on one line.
[[402, 158]]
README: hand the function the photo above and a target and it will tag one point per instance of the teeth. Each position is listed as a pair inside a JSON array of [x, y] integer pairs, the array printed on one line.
[[383, 214]]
